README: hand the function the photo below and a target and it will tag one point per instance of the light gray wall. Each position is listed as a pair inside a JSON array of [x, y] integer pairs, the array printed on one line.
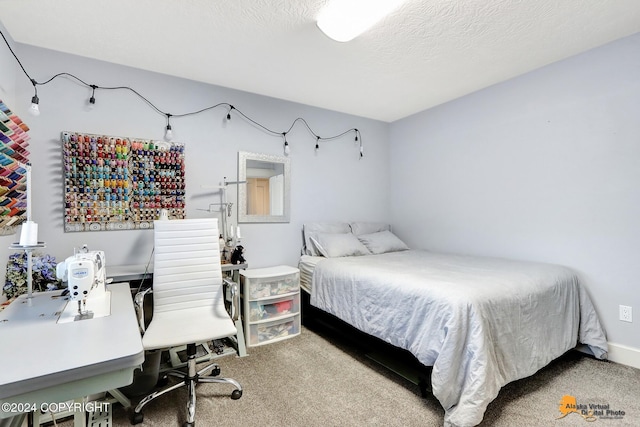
[[333, 184], [542, 167], [8, 69]]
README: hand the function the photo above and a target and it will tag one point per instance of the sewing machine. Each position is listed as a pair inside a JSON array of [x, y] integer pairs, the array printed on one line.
[[86, 278]]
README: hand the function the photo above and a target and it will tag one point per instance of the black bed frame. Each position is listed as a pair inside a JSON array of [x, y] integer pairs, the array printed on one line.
[[393, 358]]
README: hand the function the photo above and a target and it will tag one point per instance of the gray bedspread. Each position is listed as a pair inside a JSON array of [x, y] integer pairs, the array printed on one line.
[[480, 322]]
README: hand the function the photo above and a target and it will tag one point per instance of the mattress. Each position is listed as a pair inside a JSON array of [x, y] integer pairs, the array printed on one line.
[[306, 265], [480, 322]]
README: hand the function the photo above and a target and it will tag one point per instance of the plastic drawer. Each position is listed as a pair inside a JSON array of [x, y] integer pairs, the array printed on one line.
[[267, 332], [271, 286], [273, 308]]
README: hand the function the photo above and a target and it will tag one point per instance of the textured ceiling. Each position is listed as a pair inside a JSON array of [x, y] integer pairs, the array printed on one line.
[[426, 53]]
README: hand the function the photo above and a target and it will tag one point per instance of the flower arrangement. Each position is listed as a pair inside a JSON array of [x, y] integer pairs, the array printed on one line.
[[43, 273]]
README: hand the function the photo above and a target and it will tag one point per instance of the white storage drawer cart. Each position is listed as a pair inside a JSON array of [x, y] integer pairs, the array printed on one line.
[[271, 304]]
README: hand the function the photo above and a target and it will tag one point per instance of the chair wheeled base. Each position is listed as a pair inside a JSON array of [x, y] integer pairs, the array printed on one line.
[[190, 380]]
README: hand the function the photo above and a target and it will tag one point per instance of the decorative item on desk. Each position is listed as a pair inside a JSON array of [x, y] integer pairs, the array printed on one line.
[[223, 249], [44, 274], [237, 257]]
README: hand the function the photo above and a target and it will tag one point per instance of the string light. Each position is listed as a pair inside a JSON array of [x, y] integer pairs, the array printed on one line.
[[92, 100], [34, 109], [168, 135], [361, 146]]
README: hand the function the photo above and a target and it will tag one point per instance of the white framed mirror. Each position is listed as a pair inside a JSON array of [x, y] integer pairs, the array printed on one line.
[[264, 187]]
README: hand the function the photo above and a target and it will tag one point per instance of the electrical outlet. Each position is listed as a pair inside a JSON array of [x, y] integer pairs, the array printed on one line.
[[626, 313]]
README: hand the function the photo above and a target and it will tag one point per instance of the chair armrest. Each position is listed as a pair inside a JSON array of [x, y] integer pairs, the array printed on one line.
[[235, 297], [138, 303]]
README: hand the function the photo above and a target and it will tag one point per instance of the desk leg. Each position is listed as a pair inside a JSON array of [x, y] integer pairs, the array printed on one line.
[[79, 417], [242, 347], [124, 400], [16, 420]]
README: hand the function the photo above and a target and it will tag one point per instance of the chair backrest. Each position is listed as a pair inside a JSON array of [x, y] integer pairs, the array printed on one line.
[[186, 269]]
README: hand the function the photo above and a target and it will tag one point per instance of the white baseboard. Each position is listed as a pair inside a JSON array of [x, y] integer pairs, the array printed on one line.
[[624, 355]]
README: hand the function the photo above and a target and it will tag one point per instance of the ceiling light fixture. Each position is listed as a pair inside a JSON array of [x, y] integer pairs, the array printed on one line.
[[344, 20]]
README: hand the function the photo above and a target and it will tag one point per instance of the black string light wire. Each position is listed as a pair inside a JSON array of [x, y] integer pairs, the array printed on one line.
[[34, 109]]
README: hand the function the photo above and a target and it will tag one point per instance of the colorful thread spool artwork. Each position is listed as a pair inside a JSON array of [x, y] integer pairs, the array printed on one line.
[[120, 183], [14, 141]]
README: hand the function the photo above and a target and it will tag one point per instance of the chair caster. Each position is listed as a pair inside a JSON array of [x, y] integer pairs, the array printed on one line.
[[137, 418], [215, 372], [236, 394], [188, 424], [162, 381]]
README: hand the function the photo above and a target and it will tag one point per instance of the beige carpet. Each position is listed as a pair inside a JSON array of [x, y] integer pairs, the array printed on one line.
[[321, 380]]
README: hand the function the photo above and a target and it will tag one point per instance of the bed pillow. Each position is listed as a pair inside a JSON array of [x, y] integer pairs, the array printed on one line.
[[359, 228], [338, 245], [312, 229], [382, 242]]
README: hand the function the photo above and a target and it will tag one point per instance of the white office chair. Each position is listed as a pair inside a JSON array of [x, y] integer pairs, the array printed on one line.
[[188, 303]]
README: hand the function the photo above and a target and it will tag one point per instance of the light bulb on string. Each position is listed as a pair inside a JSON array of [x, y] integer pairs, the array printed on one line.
[[287, 150], [34, 110], [168, 134], [229, 112], [92, 100], [317, 143]]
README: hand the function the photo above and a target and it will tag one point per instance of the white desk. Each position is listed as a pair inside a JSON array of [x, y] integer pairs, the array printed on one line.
[[123, 273], [47, 362]]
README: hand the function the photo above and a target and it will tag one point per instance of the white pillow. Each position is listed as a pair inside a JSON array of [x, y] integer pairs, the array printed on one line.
[[338, 245], [359, 228], [313, 228], [383, 241]]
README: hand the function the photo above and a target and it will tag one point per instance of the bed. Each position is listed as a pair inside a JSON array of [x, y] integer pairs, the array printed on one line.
[[480, 322]]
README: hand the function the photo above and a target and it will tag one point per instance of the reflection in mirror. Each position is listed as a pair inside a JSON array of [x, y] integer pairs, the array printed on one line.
[[263, 192]]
